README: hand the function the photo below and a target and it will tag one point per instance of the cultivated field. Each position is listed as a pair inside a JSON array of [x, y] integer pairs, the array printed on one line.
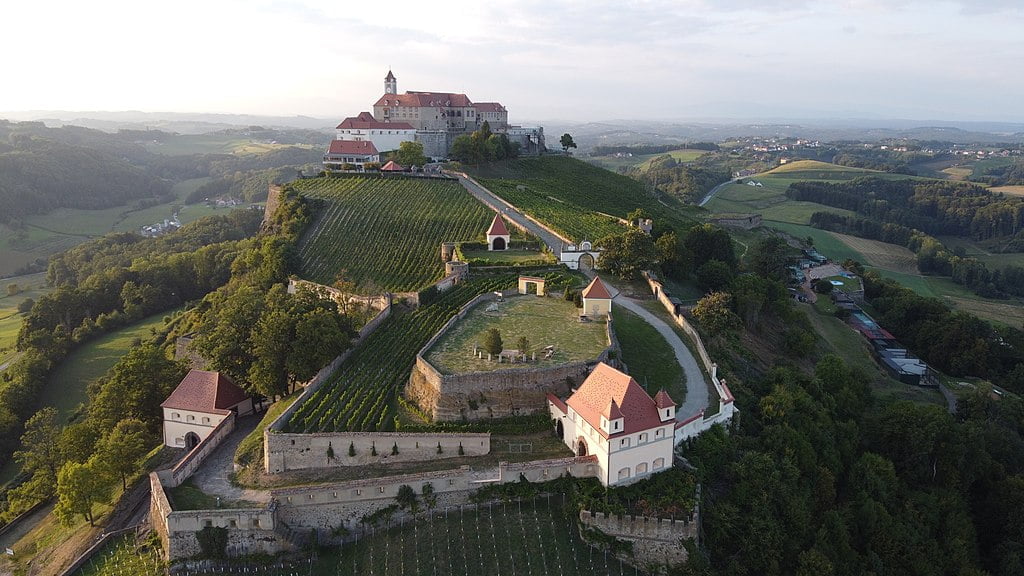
[[642, 161], [881, 254], [123, 556], [1009, 190], [544, 322], [29, 286], [538, 537], [386, 233], [568, 195], [362, 394]]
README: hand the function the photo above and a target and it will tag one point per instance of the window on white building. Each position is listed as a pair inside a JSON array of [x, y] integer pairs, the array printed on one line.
[[624, 473], [641, 468], [643, 438], [659, 433], [206, 419], [624, 443], [659, 463], [191, 418], [175, 416]]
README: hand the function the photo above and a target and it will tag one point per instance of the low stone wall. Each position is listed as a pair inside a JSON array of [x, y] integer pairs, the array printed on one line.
[[328, 506], [191, 461], [379, 302], [301, 451], [249, 530]]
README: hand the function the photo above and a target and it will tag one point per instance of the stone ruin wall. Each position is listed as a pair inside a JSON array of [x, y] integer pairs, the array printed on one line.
[[483, 395], [655, 540]]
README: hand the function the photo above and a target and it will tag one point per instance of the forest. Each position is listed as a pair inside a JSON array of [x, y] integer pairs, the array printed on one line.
[[932, 206], [688, 181]]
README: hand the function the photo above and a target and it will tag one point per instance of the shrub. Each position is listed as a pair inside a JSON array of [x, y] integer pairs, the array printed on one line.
[[492, 341], [351, 449], [394, 449]]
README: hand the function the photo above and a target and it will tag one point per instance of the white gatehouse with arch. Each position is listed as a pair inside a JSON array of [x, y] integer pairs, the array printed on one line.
[[581, 257]]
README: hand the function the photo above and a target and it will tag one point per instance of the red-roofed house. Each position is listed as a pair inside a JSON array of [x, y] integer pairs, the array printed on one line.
[[613, 418], [497, 235], [385, 136], [354, 152], [597, 300], [201, 401]]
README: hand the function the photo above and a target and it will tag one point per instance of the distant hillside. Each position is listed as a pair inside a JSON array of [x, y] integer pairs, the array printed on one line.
[[39, 174]]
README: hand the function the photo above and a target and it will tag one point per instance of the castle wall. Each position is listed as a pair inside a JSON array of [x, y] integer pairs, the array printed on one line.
[[655, 540], [301, 451]]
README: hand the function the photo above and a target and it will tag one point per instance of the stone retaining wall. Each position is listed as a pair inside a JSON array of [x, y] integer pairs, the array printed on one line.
[[301, 451]]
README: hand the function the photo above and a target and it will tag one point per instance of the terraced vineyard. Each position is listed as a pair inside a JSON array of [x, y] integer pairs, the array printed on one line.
[[385, 233], [362, 395], [570, 195]]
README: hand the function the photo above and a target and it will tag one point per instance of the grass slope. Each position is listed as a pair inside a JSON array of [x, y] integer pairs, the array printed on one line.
[[579, 200], [385, 233], [66, 387], [650, 359], [30, 286]]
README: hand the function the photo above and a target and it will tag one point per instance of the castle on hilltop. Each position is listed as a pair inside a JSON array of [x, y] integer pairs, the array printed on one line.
[[433, 119]]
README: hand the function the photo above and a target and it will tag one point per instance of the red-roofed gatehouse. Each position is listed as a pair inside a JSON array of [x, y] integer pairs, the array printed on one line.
[[201, 401], [497, 235]]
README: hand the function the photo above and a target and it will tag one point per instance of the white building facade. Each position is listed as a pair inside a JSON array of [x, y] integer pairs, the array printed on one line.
[[201, 401], [611, 417]]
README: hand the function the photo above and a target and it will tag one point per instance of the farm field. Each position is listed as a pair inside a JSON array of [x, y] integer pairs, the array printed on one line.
[[469, 542], [770, 200], [642, 161], [362, 395], [881, 254], [546, 321], [825, 242], [650, 359], [214, 143], [1009, 190], [975, 250], [568, 195], [31, 286], [66, 387], [386, 233]]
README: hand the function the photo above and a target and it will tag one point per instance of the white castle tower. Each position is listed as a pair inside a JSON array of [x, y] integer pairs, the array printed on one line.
[[390, 84]]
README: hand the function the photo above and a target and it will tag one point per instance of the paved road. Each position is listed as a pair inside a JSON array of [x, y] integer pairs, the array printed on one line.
[[713, 192], [213, 477], [553, 241], [696, 390]]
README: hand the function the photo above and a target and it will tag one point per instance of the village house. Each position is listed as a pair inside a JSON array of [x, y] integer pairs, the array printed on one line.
[[201, 401], [611, 417]]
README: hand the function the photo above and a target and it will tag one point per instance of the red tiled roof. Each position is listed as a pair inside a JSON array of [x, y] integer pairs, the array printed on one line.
[[497, 227], [425, 100], [489, 107], [612, 412], [392, 166], [204, 391], [663, 400], [354, 147], [366, 121], [597, 289], [606, 385], [557, 402]]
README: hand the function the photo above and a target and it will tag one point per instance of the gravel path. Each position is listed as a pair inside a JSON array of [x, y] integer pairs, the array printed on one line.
[[510, 212], [213, 476]]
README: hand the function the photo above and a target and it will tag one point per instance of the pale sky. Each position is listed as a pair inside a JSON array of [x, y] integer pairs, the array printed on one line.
[[592, 60]]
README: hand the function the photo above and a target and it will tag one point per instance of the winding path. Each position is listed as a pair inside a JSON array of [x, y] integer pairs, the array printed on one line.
[[696, 390]]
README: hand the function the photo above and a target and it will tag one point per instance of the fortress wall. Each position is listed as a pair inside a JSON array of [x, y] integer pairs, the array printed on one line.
[[273, 202], [249, 530], [482, 395], [301, 451], [655, 540], [195, 457]]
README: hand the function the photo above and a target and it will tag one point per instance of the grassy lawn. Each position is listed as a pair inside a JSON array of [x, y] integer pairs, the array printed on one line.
[[30, 286], [643, 161], [250, 448], [508, 256], [845, 284], [189, 497], [548, 321], [975, 250], [66, 387], [650, 359], [655, 307], [824, 241]]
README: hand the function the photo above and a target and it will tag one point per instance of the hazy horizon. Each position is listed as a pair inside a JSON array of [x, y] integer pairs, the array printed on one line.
[[573, 62]]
